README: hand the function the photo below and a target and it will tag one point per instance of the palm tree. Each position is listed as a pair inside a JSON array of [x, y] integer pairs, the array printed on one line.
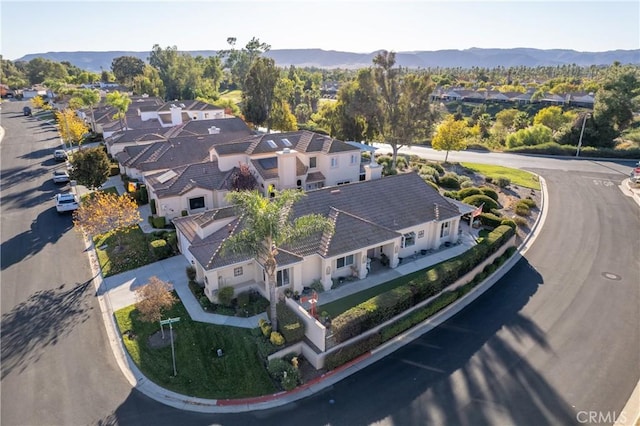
[[90, 98], [266, 225]]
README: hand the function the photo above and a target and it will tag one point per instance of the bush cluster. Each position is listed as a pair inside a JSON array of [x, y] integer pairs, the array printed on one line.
[[421, 286], [278, 367]]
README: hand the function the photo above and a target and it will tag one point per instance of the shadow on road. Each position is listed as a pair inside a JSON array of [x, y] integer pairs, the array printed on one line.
[[40, 321], [47, 228]]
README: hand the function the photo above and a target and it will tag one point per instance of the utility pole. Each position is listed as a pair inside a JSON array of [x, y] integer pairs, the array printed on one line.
[[584, 121]]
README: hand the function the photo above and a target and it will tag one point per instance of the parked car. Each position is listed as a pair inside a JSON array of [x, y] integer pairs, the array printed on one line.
[[67, 202], [60, 176], [26, 111], [60, 155]]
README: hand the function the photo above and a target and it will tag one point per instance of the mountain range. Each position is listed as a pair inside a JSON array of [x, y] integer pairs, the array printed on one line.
[[468, 58]]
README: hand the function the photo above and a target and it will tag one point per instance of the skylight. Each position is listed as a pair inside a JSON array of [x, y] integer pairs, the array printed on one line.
[[286, 142], [166, 176], [271, 143]]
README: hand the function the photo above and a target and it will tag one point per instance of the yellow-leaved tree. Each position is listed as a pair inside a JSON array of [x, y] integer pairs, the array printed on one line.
[[72, 128], [450, 136], [153, 299], [104, 212]]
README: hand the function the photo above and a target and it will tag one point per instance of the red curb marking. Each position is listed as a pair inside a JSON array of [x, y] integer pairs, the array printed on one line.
[[265, 398]]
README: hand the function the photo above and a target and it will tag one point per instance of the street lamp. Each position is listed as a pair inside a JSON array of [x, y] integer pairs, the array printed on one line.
[[584, 121]]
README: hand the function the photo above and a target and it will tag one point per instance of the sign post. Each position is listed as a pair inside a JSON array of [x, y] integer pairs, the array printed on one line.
[[173, 353]]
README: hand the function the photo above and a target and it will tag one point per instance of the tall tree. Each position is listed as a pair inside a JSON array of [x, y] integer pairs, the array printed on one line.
[[89, 98], [91, 167], [104, 212], [154, 299], [149, 83], [266, 225], [397, 104], [618, 98], [120, 101], [72, 128], [239, 62], [257, 96], [126, 68], [450, 136]]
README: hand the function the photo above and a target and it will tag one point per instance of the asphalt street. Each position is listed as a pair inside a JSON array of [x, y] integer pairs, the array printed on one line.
[[557, 335]]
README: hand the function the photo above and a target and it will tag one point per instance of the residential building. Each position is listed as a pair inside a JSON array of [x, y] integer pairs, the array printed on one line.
[[389, 218]]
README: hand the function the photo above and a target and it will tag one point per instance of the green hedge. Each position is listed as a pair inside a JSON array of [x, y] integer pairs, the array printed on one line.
[[468, 192], [490, 220], [289, 324], [403, 323], [417, 288], [160, 248]]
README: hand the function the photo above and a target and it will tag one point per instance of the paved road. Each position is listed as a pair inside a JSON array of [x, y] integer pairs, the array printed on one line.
[[557, 335]]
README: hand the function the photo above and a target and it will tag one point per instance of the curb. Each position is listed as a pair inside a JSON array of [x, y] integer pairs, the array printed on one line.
[[137, 380]]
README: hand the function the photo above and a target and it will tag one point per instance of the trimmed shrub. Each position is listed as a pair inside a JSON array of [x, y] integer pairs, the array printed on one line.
[[468, 192], [508, 222], [160, 249], [451, 194], [352, 351], [159, 222], [184, 213], [276, 338], [522, 209], [265, 327], [449, 180], [528, 202], [289, 325], [114, 170], [490, 220], [466, 184], [487, 203], [438, 167], [191, 273], [503, 182], [521, 221], [317, 286], [489, 192], [225, 296]]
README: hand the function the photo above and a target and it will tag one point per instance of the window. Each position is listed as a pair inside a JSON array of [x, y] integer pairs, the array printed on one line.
[[444, 230], [196, 203], [282, 278], [237, 271], [341, 262], [420, 234], [313, 162], [334, 162], [354, 159], [343, 182], [409, 239]]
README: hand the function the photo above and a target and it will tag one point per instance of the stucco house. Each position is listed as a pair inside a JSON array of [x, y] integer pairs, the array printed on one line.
[[379, 220], [141, 153], [303, 160]]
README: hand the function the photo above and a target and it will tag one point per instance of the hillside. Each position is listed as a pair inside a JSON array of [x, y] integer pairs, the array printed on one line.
[[468, 58]]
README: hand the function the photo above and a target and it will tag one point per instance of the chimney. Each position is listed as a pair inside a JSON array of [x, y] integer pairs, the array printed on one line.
[[213, 130]]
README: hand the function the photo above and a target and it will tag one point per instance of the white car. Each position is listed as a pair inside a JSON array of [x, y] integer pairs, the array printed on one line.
[[67, 202], [60, 176]]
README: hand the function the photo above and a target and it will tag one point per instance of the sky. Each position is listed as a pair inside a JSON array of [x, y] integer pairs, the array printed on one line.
[[30, 27]]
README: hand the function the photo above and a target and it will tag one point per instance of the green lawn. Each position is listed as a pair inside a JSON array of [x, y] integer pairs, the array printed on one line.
[[200, 372], [516, 176], [234, 95], [130, 252]]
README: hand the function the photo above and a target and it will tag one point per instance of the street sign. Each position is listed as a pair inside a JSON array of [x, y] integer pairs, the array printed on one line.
[[169, 321]]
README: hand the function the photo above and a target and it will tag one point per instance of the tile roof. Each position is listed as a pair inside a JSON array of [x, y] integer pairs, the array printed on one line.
[[301, 141], [360, 218], [205, 175]]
